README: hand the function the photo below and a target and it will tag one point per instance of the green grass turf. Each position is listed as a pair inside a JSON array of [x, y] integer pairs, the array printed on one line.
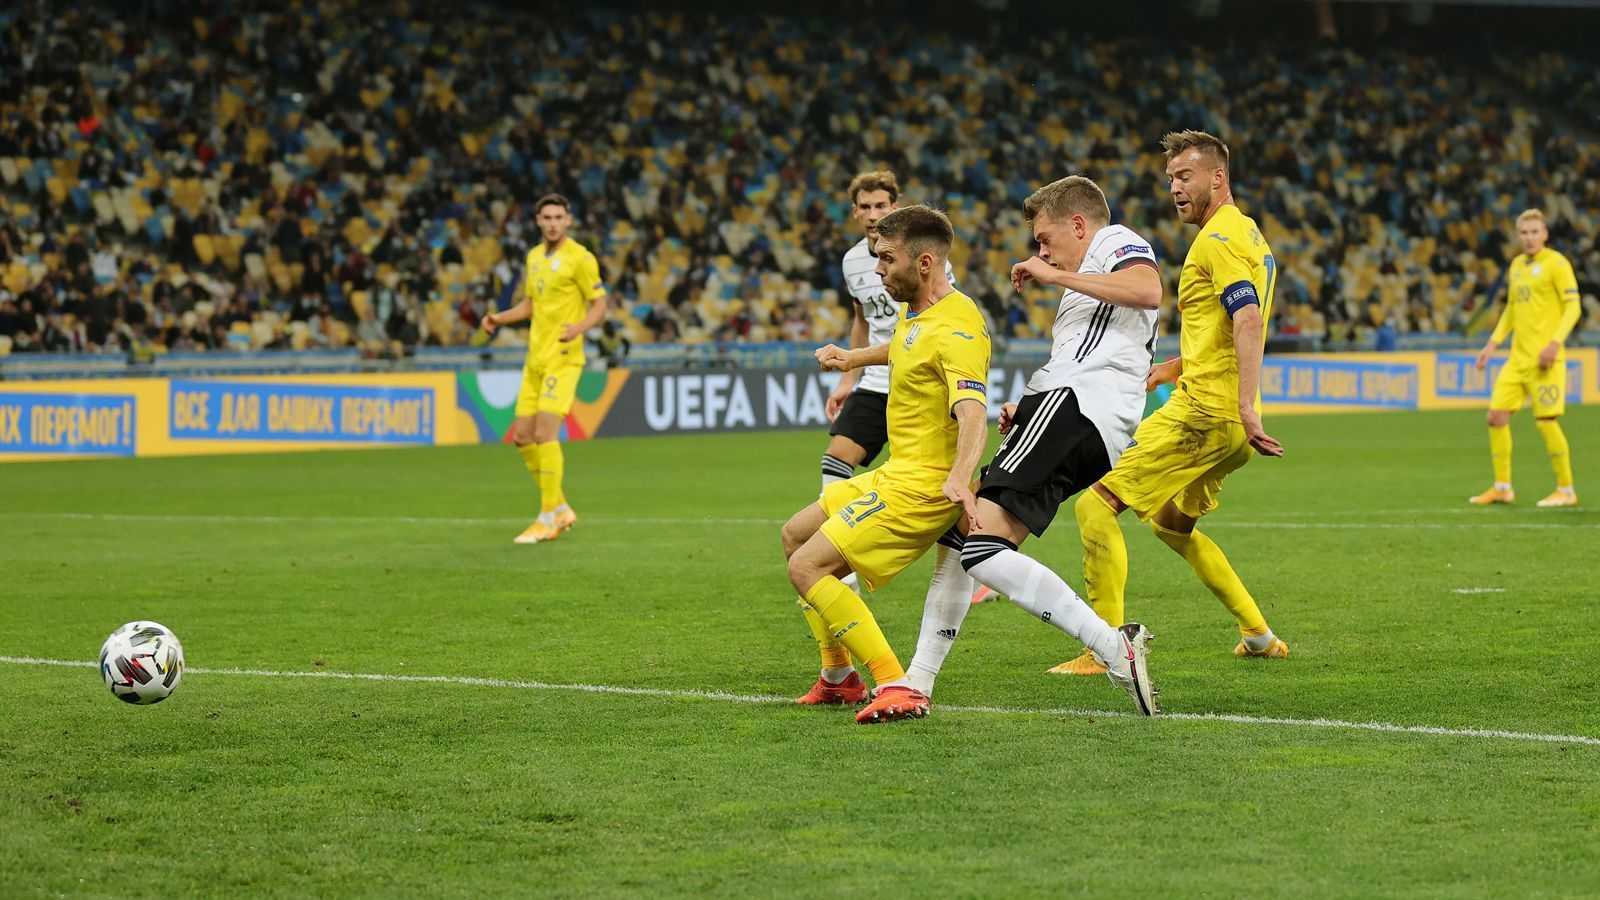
[[297, 786]]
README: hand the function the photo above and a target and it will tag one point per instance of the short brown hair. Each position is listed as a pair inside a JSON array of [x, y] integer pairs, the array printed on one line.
[[1067, 197], [923, 230], [1176, 142], [881, 180], [552, 200], [1531, 213]]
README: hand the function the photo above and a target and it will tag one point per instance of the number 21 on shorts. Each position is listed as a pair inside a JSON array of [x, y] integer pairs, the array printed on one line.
[[860, 508]]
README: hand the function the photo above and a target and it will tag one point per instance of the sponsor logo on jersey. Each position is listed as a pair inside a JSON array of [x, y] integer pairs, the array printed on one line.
[[976, 386], [1132, 248]]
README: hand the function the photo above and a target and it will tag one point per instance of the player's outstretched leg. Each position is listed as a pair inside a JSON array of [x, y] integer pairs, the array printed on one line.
[[813, 570], [994, 560], [1555, 441], [1105, 572], [1206, 558], [838, 682], [942, 613]]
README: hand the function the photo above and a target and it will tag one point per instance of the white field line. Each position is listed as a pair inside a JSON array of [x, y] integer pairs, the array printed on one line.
[[1478, 590], [726, 697], [670, 520]]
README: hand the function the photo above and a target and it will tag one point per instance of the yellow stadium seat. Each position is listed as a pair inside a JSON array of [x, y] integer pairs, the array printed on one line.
[[204, 249]]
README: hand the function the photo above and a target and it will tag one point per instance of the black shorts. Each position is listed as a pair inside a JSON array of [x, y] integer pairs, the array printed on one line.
[[864, 420], [1051, 453]]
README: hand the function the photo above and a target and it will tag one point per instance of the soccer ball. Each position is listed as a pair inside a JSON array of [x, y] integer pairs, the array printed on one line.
[[142, 662]]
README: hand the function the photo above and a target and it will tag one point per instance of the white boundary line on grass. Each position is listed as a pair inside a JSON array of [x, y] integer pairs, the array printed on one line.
[[669, 520], [726, 697]]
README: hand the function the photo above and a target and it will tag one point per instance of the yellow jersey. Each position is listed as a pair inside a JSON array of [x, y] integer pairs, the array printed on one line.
[[1227, 257], [937, 358], [1541, 306], [560, 284]]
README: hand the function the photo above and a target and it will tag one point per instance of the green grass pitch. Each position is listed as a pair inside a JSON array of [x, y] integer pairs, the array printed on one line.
[[1401, 605]]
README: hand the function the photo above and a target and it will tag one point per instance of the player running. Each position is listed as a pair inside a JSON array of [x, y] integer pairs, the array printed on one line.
[[1171, 473], [564, 296], [1541, 309], [1075, 419], [877, 523]]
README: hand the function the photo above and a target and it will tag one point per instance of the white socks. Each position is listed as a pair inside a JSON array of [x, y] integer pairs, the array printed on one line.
[[1032, 586], [1259, 642], [949, 598]]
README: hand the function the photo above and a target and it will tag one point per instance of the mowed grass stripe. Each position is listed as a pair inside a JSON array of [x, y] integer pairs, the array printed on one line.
[[672, 520], [727, 697]]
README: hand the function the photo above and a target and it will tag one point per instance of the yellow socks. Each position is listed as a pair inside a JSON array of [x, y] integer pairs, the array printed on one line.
[[1555, 440], [846, 619], [834, 654], [1500, 449], [1105, 556], [546, 463], [1205, 557]]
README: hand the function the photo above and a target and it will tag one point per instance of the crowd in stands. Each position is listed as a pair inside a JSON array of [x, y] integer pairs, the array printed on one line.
[[243, 175]]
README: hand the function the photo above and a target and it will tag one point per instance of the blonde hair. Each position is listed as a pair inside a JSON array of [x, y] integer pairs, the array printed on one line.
[[1176, 142], [1063, 198], [881, 180], [1531, 213]]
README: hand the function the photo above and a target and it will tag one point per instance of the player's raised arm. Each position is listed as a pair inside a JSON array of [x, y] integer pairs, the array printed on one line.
[[834, 358], [847, 381], [1137, 286]]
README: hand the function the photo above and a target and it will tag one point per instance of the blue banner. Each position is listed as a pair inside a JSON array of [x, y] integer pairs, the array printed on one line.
[[1340, 383], [244, 411], [67, 423], [1456, 376]]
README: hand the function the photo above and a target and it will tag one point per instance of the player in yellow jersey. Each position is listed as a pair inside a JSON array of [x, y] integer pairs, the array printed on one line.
[[564, 296], [1171, 473], [1541, 309], [879, 522]]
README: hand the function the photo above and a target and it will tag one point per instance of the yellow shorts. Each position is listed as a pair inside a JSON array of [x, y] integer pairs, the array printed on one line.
[[1548, 388], [1179, 454], [882, 525], [548, 386]]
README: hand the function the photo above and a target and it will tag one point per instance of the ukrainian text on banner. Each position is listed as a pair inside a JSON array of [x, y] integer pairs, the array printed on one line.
[[1456, 376], [52, 423], [274, 411], [1312, 380]]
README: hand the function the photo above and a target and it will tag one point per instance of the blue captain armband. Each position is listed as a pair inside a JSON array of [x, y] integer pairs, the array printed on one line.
[[1238, 295]]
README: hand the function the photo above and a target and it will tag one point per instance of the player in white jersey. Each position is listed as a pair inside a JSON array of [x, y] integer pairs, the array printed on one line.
[[857, 404], [1075, 418]]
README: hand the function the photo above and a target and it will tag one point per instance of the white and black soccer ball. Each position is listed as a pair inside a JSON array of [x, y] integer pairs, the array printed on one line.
[[142, 662]]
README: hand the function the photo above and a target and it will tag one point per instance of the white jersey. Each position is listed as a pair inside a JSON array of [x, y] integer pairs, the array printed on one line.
[[877, 307], [1103, 352]]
